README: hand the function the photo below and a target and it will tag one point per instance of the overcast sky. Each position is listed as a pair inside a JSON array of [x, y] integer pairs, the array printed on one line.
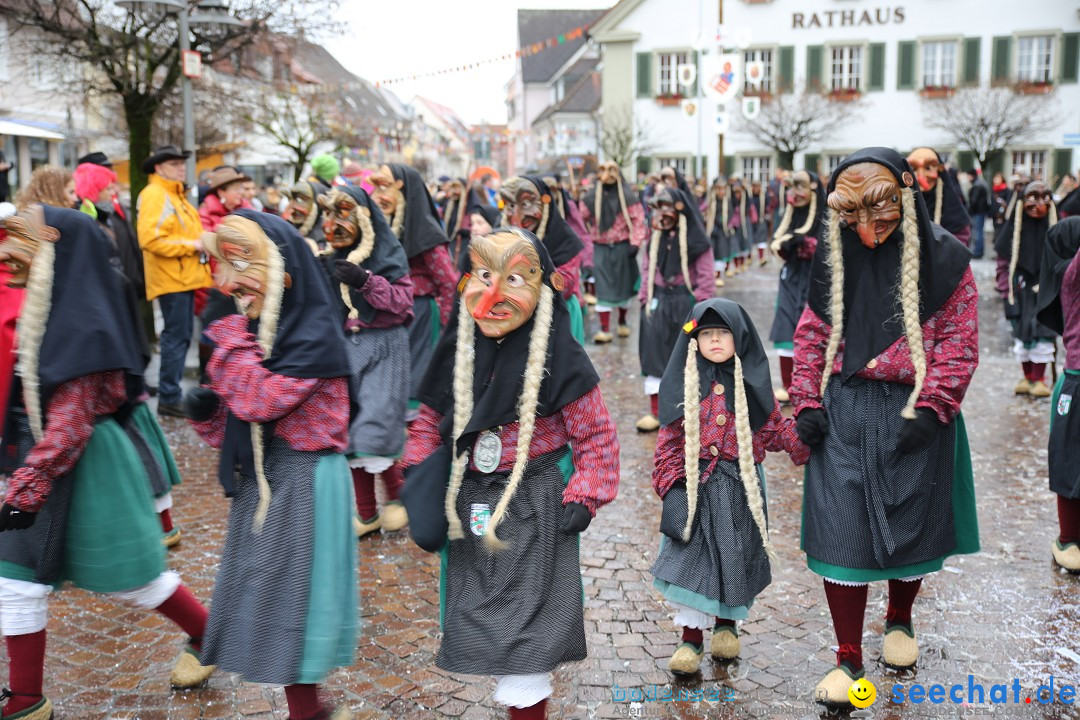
[[393, 38]]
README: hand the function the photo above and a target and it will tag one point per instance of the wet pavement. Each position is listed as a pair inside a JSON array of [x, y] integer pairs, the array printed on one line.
[[1004, 613]]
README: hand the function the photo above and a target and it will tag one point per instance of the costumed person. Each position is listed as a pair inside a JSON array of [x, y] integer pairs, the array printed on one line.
[[616, 221], [742, 218], [370, 277], [455, 215], [715, 554], [284, 607], [1007, 201], [513, 414], [1059, 310], [677, 270], [408, 208], [78, 507], [942, 193], [673, 178], [304, 213], [795, 241], [482, 220], [716, 227], [527, 202], [759, 233], [10, 305], [325, 169], [1021, 243], [884, 353], [570, 210]]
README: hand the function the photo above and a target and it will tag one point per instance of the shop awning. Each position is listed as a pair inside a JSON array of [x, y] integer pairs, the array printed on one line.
[[25, 129]]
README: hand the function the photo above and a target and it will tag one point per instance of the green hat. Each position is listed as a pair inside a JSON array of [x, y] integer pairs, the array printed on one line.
[[325, 166]]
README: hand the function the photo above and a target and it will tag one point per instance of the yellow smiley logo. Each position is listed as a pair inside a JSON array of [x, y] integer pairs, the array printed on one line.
[[862, 693]]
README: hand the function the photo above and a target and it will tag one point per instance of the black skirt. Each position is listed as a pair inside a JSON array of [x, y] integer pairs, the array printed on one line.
[[790, 300], [423, 336], [1026, 328], [517, 611], [660, 328], [1065, 437], [615, 268]]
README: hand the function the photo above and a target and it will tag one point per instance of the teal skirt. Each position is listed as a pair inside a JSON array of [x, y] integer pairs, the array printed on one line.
[[577, 319], [148, 425]]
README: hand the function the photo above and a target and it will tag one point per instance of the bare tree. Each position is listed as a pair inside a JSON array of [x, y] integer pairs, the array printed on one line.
[[625, 138], [987, 120], [794, 121], [295, 118], [133, 53]]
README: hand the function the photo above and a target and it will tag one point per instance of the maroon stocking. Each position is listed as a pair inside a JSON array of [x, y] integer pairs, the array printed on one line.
[[1038, 371], [787, 365], [605, 320], [185, 610], [1068, 519], [847, 603], [533, 712], [303, 701], [654, 405], [693, 636], [364, 487], [622, 316], [901, 598], [166, 520], [393, 478], [26, 656]]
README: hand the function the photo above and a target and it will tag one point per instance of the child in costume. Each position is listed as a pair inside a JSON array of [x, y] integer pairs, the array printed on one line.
[[716, 226], [512, 412], [677, 269], [284, 608], [715, 557], [795, 241], [78, 509], [884, 353], [1059, 310], [369, 273]]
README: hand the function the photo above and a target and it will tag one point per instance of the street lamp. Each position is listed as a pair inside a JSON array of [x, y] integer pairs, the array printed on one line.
[[208, 13]]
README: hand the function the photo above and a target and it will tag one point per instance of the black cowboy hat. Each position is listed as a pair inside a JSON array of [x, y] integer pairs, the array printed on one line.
[[95, 158], [163, 153]]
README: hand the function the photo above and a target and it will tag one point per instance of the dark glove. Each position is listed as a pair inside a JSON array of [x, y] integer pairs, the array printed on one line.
[[634, 249], [350, 274], [812, 426], [575, 518], [12, 518], [200, 404], [918, 433]]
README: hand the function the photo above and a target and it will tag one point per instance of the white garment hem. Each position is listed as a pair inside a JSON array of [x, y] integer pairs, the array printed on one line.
[[688, 617], [151, 595], [652, 385], [163, 503], [373, 465], [522, 691], [24, 606]]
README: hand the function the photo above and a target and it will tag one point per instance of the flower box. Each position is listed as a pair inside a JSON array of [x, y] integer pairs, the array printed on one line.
[[1034, 88], [845, 95], [669, 100], [933, 92]]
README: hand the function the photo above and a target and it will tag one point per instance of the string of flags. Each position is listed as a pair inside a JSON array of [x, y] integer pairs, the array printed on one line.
[[525, 51]]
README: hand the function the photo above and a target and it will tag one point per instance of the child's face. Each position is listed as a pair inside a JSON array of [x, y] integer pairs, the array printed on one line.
[[716, 344], [479, 224]]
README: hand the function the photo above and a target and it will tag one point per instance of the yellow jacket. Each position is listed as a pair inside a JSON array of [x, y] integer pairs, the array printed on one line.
[[169, 225]]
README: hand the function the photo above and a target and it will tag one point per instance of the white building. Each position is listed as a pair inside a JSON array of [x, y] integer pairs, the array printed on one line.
[[893, 54], [443, 140]]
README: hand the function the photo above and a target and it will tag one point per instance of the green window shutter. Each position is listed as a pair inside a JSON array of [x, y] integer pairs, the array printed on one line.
[[786, 79], [966, 159], [877, 67], [815, 54], [644, 164], [1062, 163], [644, 74], [692, 58], [703, 167], [811, 161], [1070, 57], [905, 65], [729, 165], [972, 47], [1000, 60], [997, 165]]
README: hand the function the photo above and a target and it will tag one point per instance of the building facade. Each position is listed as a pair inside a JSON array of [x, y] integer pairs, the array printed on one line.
[[902, 60]]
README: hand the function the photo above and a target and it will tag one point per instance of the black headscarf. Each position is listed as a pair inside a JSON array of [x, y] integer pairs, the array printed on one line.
[[798, 214], [89, 328], [697, 241], [1032, 237], [1070, 204], [499, 372], [720, 312], [1062, 244], [454, 208], [610, 208], [954, 214], [387, 258], [562, 243], [490, 214], [686, 190], [422, 230], [873, 314], [308, 344]]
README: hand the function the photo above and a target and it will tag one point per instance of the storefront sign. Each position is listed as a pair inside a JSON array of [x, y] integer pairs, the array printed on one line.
[[847, 18]]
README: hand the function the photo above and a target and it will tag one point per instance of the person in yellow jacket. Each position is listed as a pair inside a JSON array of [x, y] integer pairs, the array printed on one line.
[[175, 266]]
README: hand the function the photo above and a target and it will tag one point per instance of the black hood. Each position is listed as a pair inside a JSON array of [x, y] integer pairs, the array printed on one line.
[[1062, 244], [422, 229]]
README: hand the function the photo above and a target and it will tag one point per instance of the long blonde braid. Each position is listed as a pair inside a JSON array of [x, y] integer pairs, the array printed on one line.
[[781, 235], [710, 213], [836, 302], [909, 298], [1015, 255], [692, 434], [268, 322], [598, 207], [939, 200], [622, 205], [36, 309], [747, 468], [359, 254], [684, 262], [725, 211], [464, 361], [654, 257]]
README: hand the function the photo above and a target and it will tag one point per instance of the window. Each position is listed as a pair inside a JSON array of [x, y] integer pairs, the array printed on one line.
[[765, 57], [1035, 59], [668, 66], [755, 168], [1031, 162], [679, 163], [846, 68], [833, 161], [39, 152], [4, 52], [939, 64]]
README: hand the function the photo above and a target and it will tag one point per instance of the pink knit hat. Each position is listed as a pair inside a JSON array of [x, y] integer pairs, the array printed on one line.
[[91, 179]]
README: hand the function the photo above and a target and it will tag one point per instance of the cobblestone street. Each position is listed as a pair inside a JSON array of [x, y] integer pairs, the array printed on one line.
[[1004, 613]]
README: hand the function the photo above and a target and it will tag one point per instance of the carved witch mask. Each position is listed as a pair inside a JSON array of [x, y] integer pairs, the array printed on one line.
[[503, 289], [867, 199], [523, 204], [245, 257], [387, 194]]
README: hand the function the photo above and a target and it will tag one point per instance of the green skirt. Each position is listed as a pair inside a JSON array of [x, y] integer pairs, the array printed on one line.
[[148, 425], [577, 319]]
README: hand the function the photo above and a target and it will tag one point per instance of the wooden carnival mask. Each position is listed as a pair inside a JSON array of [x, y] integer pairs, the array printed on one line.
[[242, 250], [669, 178], [1037, 199], [522, 203], [25, 233], [454, 189], [608, 173], [801, 188], [867, 200], [503, 289], [301, 204], [666, 209], [927, 167], [387, 192], [341, 223]]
